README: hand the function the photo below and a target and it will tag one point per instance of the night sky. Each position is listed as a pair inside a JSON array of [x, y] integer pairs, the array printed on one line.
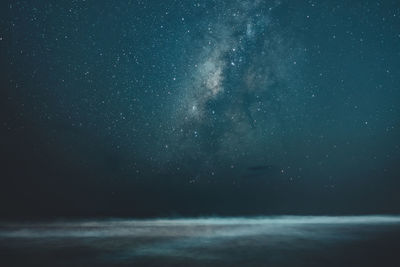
[[195, 108]]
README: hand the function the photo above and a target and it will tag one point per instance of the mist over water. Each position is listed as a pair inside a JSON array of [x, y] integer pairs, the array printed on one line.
[[258, 241]]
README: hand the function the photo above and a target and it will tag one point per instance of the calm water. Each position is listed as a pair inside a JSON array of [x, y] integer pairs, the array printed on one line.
[[262, 241]]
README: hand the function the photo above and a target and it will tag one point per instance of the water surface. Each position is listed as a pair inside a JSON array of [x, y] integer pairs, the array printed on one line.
[[259, 241]]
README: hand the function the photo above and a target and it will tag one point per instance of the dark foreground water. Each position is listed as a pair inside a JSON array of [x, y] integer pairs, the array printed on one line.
[[263, 241]]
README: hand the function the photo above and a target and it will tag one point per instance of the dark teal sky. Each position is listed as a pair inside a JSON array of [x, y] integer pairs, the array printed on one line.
[[141, 108]]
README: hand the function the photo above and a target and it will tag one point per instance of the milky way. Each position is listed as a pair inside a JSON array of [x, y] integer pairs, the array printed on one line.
[[240, 91]]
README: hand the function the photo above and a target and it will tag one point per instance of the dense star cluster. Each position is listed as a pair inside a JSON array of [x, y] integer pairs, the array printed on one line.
[[200, 107]]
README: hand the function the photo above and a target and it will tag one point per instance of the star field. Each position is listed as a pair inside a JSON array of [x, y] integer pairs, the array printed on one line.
[[151, 108]]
